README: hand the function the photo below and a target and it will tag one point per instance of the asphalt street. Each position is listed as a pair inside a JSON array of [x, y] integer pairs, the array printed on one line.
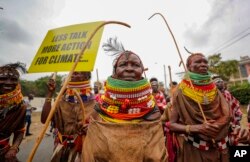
[[43, 152]]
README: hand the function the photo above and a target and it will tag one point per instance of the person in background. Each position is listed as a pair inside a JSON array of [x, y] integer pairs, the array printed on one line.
[[234, 104], [12, 111], [172, 143], [163, 90], [158, 95], [68, 117], [28, 116], [97, 90], [205, 139]]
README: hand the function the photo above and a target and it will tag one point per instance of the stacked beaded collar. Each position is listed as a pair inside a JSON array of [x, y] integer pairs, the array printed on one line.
[[11, 99], [126, 100], [203, 91], [83, 88]]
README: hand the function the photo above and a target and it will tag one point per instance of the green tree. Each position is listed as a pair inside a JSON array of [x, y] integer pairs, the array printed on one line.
[[223, 68], [39, 86]]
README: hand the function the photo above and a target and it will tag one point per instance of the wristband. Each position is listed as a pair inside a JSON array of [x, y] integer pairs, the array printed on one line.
[[188, 129]]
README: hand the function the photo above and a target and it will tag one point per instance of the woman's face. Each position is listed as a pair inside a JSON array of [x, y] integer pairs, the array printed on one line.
[[8, 81], [129, 68], [78, 76], [198, 64]]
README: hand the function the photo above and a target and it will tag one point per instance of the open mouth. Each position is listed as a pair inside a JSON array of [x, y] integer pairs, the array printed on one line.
[[7, 87], [128, 79], [203, 69]]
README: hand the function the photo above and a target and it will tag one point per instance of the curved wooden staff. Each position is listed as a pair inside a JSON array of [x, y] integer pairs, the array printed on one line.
[[203, 115], [188, 51], [38, 141], [81, 104], [83, 109]]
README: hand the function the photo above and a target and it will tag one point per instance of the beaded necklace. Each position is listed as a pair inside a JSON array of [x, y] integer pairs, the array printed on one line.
[[83, 88], [203, 91], [199, 79], [126, 100], [12, 98]]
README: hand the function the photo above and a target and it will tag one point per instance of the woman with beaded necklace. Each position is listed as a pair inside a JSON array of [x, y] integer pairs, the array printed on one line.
[[204, 141], [126, 124], [12, 111], [67, 118]]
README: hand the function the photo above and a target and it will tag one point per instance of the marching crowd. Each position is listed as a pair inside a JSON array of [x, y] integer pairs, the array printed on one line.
[[129, 118]]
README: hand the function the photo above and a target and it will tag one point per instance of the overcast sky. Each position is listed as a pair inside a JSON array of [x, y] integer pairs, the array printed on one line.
[[206, 26]]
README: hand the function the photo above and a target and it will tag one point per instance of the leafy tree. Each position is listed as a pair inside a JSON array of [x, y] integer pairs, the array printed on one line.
[[213, 62], [241, 92], [38, 87], [223, 68]]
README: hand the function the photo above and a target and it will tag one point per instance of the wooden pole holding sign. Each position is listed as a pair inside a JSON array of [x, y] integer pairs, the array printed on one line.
[[39, 139]]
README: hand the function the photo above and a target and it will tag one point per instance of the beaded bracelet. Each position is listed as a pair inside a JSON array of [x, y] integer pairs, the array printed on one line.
[[188, 129]]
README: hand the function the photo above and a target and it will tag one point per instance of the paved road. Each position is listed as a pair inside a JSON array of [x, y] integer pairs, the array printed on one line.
[[43, 152]]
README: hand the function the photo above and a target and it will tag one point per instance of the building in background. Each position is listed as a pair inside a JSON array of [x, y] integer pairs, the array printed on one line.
[[244, 71]]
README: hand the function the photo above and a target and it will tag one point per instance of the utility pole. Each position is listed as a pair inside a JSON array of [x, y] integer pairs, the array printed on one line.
[[97, 76], [165, 76]]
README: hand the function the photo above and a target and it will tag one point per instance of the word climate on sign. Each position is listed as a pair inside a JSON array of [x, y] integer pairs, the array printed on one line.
[[61, 47]]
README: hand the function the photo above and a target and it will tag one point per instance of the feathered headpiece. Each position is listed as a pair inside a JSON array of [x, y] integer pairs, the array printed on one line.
[[113, 48]]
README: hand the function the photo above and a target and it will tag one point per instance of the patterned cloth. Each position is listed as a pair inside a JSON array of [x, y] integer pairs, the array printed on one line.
[[235, 108], [189, 114], [204, 145], [160, 100]]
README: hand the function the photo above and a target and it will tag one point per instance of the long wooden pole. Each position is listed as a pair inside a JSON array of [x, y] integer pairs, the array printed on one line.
[[170, 76], [165, 76], [39, 139], [97, 76], [202, 112], [83, 109], [81, 104]]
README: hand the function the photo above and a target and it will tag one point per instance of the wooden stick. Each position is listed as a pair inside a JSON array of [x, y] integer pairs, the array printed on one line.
[[39, 139], [170, 76], [97, 76], [81, 104], [165, 76], [188, 51], [83, 109], [171, 82], [202, 112], [172, 37]]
